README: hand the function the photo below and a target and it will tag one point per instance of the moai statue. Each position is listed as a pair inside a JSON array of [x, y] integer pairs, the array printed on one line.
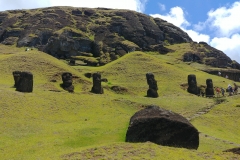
[[192, 85], [152, 91], [97, 86], [25, 83], [16, 77], [67, 82], [209, 90]]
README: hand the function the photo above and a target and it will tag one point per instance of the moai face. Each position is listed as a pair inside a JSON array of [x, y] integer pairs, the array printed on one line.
[[149, 77], [16, 76], [67, 79], [192, 80], [96, 79], [209, 83], [25, 83]]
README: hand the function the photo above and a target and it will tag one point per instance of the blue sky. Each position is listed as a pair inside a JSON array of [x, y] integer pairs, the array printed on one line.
[[216, 22]]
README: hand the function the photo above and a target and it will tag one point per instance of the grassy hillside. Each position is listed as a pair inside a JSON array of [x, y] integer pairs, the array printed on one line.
[[51, 123]]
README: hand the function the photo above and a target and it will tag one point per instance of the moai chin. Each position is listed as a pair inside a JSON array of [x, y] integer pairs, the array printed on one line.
[[97, 86], [209, 90], [16, 77], [192, 85], [67, 82], [25, 83], [152, 90]]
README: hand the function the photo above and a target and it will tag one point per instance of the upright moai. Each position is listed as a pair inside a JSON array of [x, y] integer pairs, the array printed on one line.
[[97, 85], [192, 85], [25, 82], [16, 77], [209, 90], [67, 82], [152, 90]]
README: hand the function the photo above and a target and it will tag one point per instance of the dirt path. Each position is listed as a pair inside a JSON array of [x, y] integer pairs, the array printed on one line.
[[205, 111]]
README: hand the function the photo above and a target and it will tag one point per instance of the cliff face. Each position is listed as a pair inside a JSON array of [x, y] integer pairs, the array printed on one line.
[[102, 33]]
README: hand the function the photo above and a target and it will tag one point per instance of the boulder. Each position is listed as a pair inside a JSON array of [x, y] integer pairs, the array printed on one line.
[[162, 127], [25, 82]]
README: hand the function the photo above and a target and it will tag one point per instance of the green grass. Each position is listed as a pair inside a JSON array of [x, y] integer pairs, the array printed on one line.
[[61, 125]]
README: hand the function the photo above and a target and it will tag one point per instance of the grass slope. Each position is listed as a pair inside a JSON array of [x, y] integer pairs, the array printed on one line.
[[61, 125]]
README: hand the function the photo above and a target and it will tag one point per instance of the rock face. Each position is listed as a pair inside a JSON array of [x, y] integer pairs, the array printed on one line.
[[152, 90], [67, 82], [25, 83], [97, 84], [105, 34], [162, 127], [209, 90], [233, 74], [192, 85], [205, 54], [16, 77]]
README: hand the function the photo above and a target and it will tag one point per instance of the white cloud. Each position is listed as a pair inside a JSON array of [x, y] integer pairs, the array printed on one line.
[[231, 46], [225, 20], [162, 6], [22, 4], [198, 37], [175, 16], [136, 5]]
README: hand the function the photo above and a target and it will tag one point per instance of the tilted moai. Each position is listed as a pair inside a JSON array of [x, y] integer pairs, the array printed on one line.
[[97, 86], [67, 82], [152, 90], [209, 90], [25, 82], [16, 77], [192, 85]]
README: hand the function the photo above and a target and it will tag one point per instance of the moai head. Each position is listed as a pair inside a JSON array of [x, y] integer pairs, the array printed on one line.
[[67, 79], [67, 82], [209, 83], [97, 86], [151, 81], [96, 78], [16, 76], [25, 83], [192, 85], [192, 82]]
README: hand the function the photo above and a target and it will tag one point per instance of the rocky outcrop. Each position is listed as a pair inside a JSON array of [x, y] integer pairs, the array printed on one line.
[[105, 33], [233, 74], [162, 127], [205, 54]]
